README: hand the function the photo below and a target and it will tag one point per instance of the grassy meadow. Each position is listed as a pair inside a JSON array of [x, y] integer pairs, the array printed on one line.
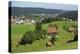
[[18, 30]]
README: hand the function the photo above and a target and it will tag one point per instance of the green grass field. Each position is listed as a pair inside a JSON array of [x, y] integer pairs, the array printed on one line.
[[18, 30]]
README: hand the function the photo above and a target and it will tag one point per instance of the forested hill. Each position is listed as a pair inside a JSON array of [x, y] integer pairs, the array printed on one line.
[[30, 10], [69, 14]]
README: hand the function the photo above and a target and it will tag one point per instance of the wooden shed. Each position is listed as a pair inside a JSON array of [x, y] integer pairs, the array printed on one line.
[[52, 29]]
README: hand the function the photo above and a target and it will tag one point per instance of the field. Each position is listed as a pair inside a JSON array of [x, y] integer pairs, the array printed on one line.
[[18, 30]]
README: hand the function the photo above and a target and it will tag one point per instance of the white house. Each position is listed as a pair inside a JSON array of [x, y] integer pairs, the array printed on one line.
[[18, 21]]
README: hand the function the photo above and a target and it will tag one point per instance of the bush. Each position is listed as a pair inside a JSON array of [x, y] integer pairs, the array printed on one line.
[[39, 34], [65, 27], [38, 26], [44, 33], [27, 38], [51, 20]]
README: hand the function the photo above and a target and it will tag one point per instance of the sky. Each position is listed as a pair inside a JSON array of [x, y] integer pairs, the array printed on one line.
[[44, 5]]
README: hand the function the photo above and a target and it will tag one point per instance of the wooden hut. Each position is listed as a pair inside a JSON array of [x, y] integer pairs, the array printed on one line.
[[52, 32], [52, 29]]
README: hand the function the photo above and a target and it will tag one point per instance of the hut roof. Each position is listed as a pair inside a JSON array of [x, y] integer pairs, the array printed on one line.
[[52, 28]]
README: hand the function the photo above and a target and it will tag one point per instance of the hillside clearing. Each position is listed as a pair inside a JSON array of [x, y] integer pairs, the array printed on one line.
[[17, 31]]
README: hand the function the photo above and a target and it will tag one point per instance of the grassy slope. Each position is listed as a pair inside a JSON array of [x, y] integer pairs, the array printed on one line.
[[20, 29]]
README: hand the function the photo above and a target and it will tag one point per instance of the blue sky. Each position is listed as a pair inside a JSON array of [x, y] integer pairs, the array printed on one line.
[[44, 5]]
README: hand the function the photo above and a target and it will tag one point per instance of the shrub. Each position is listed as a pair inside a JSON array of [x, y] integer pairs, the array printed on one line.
[[38, 26], [65, 27], [27, 38], [40, 34], [44, 33]]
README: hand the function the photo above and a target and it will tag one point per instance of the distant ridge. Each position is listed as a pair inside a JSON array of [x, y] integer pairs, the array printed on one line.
[[31, 10]]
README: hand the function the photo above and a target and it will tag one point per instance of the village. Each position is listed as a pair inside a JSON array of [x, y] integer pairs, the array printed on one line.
[[34, 17]]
